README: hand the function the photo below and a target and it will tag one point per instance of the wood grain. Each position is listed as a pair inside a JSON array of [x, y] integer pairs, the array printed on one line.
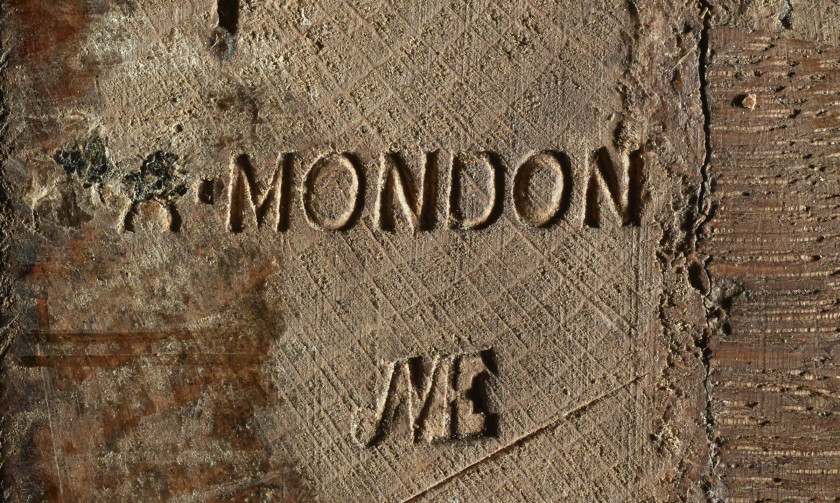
[[772, 243], [420, 251]]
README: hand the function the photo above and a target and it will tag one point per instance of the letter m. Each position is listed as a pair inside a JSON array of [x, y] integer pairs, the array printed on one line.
[[414, 402], [246, 200], [620, 189]]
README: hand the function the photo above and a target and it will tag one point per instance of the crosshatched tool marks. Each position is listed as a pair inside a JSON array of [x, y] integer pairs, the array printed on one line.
[[376, 192]]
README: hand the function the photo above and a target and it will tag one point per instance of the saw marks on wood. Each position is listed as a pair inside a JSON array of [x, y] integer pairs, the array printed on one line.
[[773, 245]]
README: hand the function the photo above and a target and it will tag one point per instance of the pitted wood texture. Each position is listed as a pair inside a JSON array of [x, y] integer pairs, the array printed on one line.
[[209, 305], [772, 242]]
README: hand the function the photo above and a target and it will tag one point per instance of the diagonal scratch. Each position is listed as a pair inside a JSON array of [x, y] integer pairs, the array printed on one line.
[[576, 412]]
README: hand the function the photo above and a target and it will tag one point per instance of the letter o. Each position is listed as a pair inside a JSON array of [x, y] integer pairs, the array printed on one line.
[[341, 222], [559, 164]]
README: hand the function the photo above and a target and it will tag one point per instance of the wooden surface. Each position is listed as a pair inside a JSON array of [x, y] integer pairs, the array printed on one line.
[[772, 244], [419, 251]]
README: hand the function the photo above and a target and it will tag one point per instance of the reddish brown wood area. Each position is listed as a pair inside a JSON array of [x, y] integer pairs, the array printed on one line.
[[773, 243]]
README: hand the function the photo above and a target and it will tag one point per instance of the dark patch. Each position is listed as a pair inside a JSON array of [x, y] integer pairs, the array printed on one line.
[[205, 192], [228, 13], [697, 275], [158, 179], [222, 43], [785, 14], [47, 35], [89, 162], [223, 35], [44, 29]]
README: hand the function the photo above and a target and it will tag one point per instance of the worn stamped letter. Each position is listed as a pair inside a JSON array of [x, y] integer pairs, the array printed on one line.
[[351, 251]]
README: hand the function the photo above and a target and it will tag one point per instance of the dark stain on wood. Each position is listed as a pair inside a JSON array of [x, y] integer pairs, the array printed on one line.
[[48, 34], [202, 389]]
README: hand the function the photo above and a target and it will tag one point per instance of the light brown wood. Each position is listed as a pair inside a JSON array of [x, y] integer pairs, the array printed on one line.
[[418, 251]]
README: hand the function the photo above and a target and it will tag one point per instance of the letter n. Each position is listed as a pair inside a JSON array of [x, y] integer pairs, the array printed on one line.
[[245, 195], [622, 189], [417, 201]]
